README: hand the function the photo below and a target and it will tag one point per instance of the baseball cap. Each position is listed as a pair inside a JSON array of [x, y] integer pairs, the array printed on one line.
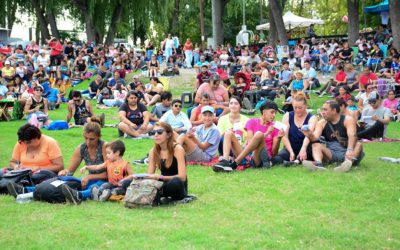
[[136, 77], [8, 62], [207, 109], [373, 97]]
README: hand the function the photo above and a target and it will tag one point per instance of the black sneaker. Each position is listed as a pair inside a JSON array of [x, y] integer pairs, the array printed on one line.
[[71, 195], [222, 166], [145, 160], [15, 189], [265, 159]]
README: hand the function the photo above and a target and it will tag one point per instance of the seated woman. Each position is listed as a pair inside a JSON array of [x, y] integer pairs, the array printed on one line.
[[169, 158], [263, 141], [296, 146], [153, 91], [172, 67], [391, 102], [343, 93], [37, 106], [134, 116], [298, 83], [119, 95], [201, 144], [330, 86], [219, 96], [38, 152], [154, 66], [231, 127]]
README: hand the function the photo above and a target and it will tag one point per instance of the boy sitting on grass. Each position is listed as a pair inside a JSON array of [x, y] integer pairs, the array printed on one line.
[[117, 170], [201, 143]]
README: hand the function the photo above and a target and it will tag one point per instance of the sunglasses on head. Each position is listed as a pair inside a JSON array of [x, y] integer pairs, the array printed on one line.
[[159, 131], [177, 106]]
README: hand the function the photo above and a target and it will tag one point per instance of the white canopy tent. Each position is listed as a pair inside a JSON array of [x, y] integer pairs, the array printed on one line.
[[292, 21]]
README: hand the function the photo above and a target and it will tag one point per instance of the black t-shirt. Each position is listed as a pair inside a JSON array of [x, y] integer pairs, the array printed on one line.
[[346, 52], [94, 87], [134, 116]]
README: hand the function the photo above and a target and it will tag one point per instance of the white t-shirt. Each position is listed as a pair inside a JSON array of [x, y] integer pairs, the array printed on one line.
[[43, 60], [224, 59], [169, 44]]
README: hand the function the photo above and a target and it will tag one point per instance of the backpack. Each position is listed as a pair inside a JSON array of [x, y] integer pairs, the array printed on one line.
[[20, 176], [143, 193], [50, 190]]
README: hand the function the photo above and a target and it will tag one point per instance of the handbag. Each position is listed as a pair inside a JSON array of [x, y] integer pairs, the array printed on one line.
[[143, 193], [20, 176]]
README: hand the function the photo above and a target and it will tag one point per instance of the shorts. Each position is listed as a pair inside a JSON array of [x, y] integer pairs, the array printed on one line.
[[337, 150], [81, 121], [198, 155], [64, 77], [264, 159]]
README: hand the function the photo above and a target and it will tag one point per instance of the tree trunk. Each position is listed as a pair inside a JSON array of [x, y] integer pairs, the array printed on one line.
[[91, 33], [280, 26], [203, 35], [53, 24], [115, 19], [394, 12], [218, 7], [3, 6], [301, 8], [353, 24], [42, 20], [175, 17], [272, 33], [11, 9]]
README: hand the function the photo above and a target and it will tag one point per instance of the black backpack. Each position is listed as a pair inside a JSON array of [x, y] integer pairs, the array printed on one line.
[[50, 190], [20, 176]]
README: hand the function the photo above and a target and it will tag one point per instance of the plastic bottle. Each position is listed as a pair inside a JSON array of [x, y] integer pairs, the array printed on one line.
[[24, 198]]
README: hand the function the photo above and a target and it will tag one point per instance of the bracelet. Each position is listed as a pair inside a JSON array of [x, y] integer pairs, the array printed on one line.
[[350, 150], [161, 178]]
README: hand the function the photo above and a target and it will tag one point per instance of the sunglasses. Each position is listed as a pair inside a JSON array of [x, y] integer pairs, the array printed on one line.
[[38, 89], [159, 131], [77, 100], [178, 106]]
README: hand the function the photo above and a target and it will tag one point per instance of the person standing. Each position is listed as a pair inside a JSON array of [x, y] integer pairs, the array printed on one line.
[[169, 47], [188, 48]]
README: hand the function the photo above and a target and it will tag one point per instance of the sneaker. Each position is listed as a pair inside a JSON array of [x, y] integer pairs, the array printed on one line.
[[102, 119], [95, 193], [313, 166], [318, 92], [15, 189], [247, 104], [145, 160], [105, 195], [322, 94], [71, 195], [225, 166], [344, 166]]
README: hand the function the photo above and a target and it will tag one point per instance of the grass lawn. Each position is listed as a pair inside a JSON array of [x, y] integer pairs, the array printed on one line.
[[281, 208]]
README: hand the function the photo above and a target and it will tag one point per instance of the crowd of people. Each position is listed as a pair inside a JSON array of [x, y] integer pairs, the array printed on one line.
[[231, 82]]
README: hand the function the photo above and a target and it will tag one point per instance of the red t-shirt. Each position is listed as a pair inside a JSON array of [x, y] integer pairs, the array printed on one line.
[[364, 79], [397, 77], [340, 76], [56, 48]]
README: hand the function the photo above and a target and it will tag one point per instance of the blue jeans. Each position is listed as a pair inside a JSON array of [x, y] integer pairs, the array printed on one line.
[[88, 191]]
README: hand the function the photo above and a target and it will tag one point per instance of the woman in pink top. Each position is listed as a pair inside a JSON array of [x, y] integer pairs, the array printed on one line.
[[391, 102], [263, 140]]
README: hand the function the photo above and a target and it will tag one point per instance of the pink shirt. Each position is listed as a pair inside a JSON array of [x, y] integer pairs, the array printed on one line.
[[255, 125], [215, 95], [392, 105]]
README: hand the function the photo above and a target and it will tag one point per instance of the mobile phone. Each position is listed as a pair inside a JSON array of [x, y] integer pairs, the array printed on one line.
[[141, 176], [305, 127]]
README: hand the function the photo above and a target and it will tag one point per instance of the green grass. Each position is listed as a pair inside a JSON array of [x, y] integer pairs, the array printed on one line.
[[281, 208]]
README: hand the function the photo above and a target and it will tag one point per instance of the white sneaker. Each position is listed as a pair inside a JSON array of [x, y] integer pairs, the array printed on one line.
[[344, 166]]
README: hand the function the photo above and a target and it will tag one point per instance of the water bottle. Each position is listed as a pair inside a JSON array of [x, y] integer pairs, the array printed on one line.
[[24, 198]]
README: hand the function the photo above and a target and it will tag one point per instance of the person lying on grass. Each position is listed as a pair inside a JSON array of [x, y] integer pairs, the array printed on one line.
[[263, 141], [169, 158], [134, 116], [201, 143], [117, 169]]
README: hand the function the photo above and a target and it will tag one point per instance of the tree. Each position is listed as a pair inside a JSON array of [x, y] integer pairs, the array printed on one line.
[[353, 20], [394, 12], [39, 12], [272, 33], [115, 19], [276, 11], [218, 7]]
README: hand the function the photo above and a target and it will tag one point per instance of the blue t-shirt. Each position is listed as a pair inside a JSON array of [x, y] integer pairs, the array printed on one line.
[[297, 84], [210, 135], [52, 97]]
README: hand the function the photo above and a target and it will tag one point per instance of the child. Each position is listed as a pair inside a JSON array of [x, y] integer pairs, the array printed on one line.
[[323, 63], [76, 76], [117, 170], [351, 104], [287, 104], [292, 61], [201, 143]]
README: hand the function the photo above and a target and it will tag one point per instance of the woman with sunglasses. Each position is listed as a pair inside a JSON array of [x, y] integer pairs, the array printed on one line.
[[363, 97], [168, 158], [37, 106], [153, 92], [134, 116]]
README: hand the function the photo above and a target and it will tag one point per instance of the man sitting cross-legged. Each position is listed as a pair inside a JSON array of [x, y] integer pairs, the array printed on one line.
[[340, 134]]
